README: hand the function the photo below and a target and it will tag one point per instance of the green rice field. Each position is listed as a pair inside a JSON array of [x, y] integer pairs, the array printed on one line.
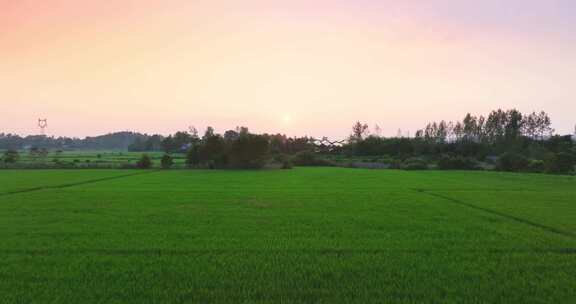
[[307, 235], [95, 159]]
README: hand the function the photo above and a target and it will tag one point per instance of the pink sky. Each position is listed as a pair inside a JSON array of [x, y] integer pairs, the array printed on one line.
[[93, 67]]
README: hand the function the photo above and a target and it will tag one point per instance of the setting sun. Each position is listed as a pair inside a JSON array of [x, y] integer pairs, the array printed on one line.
[[286, 119]]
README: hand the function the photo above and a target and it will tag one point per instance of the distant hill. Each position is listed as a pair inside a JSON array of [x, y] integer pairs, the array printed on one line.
[[111, 141]]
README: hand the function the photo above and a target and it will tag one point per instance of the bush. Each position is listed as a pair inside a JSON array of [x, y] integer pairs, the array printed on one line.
[[211, 164], [145, 162], [11, 157], [309, 158], [414, 164], [287, 164], [193, 156], [512, 162], [560, 163], [212, 152], [536, 166], [284, 160], [395, 164], [166, 162], [447, 162], [248, 151]]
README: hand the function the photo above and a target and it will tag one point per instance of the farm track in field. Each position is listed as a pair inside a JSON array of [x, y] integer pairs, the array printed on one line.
[[500, 214], [230, 252], [68, 185]]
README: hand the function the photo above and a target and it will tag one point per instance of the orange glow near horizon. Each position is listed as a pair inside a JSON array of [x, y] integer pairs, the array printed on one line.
[[160, 66]]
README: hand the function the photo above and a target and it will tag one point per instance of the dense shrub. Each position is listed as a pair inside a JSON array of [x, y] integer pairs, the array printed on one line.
[[193, 156], [414, 164], [248, 151], [386, 160], [309, 158], [447, 162], [167, 161], [10, 156], [512, 162], [284, 160], [145, 162], [536, 166], [304, 158], [212, 152], [560, 163], [395, 164], [287, 164]]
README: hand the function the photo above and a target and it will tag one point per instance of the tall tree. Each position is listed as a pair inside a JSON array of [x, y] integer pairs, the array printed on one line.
[[441, 132], [231, 135], [208, 133], [430, 132], [359, 131], [495, 126], [469, 127], [458, 131], [544, 126], [213, 150], [513, 125], [530, 125], [480, 126], [193, 156]]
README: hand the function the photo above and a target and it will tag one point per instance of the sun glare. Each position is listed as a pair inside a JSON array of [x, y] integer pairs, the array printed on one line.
[[287, 118]]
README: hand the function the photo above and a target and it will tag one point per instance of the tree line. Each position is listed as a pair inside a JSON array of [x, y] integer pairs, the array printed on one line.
[[237, 148], [112, 141], [182, 141], [504, 139], [498, 126], [509, 139]]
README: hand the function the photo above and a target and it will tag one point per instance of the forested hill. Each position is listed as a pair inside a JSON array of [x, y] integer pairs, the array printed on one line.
[[112, 141]]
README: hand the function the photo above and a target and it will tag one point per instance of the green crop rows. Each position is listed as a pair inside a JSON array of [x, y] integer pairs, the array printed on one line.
[[304, 235]]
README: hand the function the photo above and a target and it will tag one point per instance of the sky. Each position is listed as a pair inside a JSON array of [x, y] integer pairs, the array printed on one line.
[[299, 67]]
